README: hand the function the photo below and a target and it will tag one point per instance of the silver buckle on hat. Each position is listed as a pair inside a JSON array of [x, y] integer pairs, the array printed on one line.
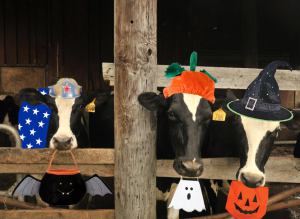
[[250, 99]]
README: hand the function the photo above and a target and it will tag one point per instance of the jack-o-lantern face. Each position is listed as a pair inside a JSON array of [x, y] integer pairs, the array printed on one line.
[[245, 203]]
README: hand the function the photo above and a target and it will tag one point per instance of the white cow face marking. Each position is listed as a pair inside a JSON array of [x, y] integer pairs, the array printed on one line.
[[257, 136], [64, 138], [189, 116], [192, 102]]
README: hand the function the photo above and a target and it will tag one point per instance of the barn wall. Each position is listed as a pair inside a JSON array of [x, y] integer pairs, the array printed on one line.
[[70, 38]]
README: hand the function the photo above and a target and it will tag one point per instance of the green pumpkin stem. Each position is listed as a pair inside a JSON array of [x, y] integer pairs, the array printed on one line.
[[193, 61]]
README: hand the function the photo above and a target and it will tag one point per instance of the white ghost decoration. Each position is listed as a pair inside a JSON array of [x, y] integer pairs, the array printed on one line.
[[188, 196]]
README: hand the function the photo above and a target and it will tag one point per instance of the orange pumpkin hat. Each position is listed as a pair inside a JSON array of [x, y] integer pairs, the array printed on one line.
[[191, 82]]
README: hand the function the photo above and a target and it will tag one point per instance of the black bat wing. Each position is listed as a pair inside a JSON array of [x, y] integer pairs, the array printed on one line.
[[29, 186], [95, 186]]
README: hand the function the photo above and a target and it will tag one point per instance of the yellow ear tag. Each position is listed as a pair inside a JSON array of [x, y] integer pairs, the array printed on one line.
[[219, 115], [91, 107]]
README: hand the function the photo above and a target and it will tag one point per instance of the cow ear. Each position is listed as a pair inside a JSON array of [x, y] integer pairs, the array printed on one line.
[[31, 96], [152, 101], [230, 95], [101, 98], [293, 124]]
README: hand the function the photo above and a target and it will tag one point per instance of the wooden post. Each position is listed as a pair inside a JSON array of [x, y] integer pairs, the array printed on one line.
[[249, 29], [135, 127]]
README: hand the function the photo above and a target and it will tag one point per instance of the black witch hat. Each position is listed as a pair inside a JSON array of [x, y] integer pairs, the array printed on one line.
[[261, 99]]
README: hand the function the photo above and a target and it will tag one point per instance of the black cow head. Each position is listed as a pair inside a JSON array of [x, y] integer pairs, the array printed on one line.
[[188, 118], [65, 130], [8, 110]]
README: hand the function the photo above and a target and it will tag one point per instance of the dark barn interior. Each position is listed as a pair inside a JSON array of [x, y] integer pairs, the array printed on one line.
[[72, 38]]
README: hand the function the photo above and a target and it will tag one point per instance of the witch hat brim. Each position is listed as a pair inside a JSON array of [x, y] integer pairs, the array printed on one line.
[[280, 115]]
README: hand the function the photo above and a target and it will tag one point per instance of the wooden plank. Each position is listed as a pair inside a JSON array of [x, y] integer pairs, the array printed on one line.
[[135, 52], [2, 34], [249, 33], [234, 78], [42, 156], [288, 99], [57, 213], [15, 78], [100, 161], [278, 169], [55, 43], [23, 33], [297, 99], [41, 11], [104, 170], [10, 32], [95, 78], [75, 63], [32, 32]]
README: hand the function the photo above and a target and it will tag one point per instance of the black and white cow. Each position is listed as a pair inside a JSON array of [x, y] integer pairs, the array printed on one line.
[[188, 120], [9, 116], [8, 110], [185, 123], [194, 135], [66, 130], [249, 139]]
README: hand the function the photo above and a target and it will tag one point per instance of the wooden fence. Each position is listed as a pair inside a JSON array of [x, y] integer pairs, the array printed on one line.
[[101, 161]]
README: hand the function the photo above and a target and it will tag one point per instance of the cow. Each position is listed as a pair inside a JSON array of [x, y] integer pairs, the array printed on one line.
[[103, 124], [188, 116], [239, 136], [66, 130], [9, 116]]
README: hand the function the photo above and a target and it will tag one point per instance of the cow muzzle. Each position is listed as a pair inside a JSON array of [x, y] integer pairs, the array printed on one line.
[[63, 142], [252, 180], [189, 168]]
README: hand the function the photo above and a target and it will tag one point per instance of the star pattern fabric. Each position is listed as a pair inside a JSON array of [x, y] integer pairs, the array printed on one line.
[[33, 125], [44, 90]]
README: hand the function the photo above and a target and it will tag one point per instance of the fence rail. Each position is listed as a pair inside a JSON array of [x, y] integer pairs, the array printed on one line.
[[233, 78], [57, 213], [101, 162]]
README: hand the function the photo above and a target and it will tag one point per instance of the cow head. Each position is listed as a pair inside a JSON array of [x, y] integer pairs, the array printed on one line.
[[188, 119], [255, 140], [65, 129], [258, 138], [8, 110]]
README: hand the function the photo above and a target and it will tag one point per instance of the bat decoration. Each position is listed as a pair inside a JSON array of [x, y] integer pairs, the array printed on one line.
[[60, 187]]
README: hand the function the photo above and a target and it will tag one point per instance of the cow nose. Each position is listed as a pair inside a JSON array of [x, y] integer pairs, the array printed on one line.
[[191, 165], [62, 143], [252, 180]]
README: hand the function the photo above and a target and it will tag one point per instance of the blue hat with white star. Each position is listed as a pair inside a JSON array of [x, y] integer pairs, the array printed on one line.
[[261, 99], [33, 125], [65, 88]]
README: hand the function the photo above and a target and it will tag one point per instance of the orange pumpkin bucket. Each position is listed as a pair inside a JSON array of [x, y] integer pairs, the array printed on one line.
[[247, 203]]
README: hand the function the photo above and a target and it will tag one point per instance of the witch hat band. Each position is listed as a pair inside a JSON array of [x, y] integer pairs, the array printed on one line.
[[261, 99]]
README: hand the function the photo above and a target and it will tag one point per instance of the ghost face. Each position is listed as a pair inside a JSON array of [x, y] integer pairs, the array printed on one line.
[[188, 196], [62, 189]]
